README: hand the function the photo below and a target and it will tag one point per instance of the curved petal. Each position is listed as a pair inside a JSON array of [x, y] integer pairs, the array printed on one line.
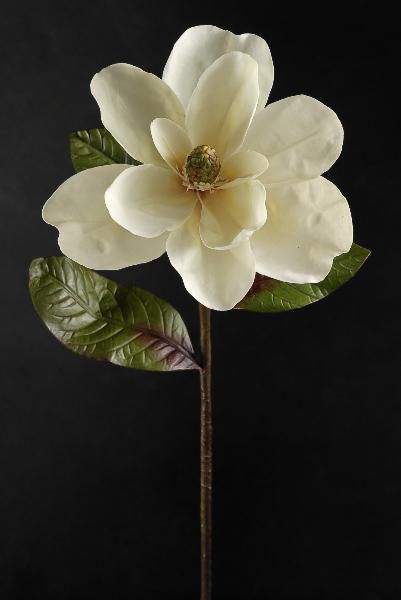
[[218, 279], [299, 135], [88, 234], [129, 99], [200, 46], [149, 200], [223, 103], [243, 165], [230, 216], [309, 224], [172, 142]]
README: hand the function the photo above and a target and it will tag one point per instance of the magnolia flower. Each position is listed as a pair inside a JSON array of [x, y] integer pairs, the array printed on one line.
[[227, 187]]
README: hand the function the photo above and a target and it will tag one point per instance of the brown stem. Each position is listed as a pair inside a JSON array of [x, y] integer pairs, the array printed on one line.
[[206, 455]]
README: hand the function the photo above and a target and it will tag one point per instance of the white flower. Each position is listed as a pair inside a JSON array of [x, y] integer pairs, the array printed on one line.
[[228, 187]]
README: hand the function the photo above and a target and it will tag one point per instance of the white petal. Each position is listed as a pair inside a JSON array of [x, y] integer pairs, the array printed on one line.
[[218, 279], [230, 216], [88, 234], [299, 135], [149, 200], [309, 224], [129, 99], [172, 142], [200, 46], [223, 103], [244, 164]]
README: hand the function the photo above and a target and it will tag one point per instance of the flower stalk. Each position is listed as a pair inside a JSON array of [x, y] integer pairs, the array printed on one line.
[[206, 455]]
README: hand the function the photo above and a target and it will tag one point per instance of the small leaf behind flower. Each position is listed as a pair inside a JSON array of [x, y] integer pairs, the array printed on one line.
[[95, 148], [271, 296], [98, 318]]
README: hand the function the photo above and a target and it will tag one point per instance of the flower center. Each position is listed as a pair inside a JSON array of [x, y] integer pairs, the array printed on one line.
[[201, 168]]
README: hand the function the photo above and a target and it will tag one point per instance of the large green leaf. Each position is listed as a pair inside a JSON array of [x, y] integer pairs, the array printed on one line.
[[99, 318], [270, 295], [95, 148]]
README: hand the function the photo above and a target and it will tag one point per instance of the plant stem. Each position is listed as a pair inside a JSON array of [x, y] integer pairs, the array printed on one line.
[[206, 455]]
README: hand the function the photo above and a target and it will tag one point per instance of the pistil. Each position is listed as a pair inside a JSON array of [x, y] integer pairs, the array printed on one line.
[[201, 169]]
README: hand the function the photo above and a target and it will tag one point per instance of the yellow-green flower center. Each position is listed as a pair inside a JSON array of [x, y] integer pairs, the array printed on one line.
[[202, 167]]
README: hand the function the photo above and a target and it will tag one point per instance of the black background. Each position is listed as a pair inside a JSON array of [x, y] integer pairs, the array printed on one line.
[[99, 465]]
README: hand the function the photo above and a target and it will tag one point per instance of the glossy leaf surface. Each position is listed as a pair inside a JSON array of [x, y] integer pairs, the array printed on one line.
[[98, 318], [271, 296], [95, 148]]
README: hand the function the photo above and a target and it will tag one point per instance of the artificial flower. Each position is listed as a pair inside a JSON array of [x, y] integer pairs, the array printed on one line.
[[228, 187]]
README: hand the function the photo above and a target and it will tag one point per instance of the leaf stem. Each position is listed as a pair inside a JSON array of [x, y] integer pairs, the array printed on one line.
[[206, 455]]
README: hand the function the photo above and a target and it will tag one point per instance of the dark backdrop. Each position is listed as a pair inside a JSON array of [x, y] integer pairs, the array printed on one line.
[[99, 465]]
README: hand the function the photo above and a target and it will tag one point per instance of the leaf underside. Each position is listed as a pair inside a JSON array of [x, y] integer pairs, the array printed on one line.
[[98, 318], [272, 296], [95, 148]]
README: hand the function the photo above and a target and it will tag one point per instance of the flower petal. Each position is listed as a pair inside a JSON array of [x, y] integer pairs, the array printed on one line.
[[129, 99], [230, 216], [218, 279], [223, 103], [244, 164], [172, 142], [300, 136], [149, 200], [309, 224], [88, 234], [200, 46]]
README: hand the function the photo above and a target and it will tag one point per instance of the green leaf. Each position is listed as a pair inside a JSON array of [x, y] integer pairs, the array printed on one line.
[[271, 296], [99, 318], [95, 148]]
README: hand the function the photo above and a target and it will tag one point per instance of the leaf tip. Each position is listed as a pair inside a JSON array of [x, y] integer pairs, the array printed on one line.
[[37, 268]]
